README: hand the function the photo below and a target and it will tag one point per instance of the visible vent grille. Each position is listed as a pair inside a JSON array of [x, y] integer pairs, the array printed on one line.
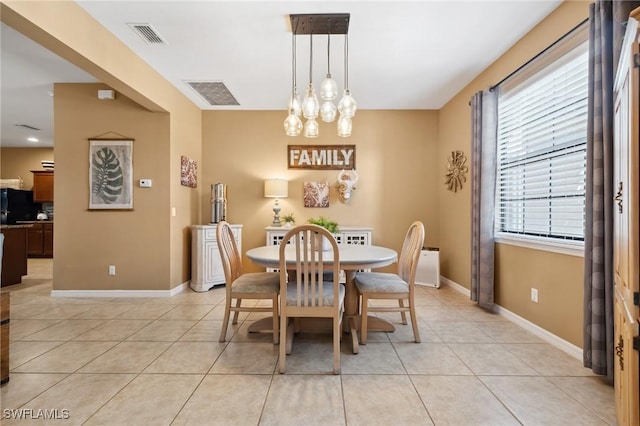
[[214, 92], [148, 33], [26, 126]]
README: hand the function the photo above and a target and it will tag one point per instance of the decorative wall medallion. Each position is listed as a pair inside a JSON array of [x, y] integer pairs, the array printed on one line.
[[456, 171], [316, 194]]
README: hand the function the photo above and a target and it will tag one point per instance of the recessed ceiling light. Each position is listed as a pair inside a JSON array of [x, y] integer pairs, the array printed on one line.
[[32, 139]]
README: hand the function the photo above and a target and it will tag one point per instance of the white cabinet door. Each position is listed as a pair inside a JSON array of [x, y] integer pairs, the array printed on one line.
[[206, 265]]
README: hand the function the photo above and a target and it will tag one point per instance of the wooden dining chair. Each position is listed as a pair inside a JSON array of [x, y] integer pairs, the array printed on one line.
[[400, 286], [241, 286], [305, 292]]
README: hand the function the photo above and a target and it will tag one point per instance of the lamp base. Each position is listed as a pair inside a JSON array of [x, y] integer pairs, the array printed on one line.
[[276, 214]]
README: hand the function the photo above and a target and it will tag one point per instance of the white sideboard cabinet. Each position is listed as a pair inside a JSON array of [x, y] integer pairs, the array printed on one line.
[[206, 266], [347, 235]]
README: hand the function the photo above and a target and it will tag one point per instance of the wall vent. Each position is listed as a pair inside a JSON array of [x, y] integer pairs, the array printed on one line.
[[148, 33], [214, 92]]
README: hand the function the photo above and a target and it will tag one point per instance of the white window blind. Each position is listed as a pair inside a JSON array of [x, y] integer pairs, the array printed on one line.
[[542, 135]]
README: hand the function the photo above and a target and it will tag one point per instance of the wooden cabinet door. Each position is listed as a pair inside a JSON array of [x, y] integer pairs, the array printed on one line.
[[34, 240], [47, 240], [626, 259], [42, 186]]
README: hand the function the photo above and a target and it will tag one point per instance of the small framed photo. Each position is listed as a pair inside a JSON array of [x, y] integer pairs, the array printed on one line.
[[110, 174]]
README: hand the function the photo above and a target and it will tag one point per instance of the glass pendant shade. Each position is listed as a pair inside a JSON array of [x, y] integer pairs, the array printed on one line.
[[347, 106], [344, 126], [295, 104], [292, 124], [310, 104], [328, 111], [311, 128], [328, 89]]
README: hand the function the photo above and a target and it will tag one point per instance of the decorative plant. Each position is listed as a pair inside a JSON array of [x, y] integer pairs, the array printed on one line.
[[329, 225], [288, 218]]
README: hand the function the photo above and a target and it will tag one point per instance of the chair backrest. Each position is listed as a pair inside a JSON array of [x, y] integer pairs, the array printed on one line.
[[410, 254], [229, 254], [303, 244]]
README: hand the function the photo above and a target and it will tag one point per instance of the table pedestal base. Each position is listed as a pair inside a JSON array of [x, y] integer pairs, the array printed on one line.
[[314, 325]]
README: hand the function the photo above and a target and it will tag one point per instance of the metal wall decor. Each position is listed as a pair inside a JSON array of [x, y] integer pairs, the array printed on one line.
[[456, 171]]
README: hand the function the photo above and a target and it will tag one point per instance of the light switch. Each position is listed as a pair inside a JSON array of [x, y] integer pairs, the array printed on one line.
[[145, 183]]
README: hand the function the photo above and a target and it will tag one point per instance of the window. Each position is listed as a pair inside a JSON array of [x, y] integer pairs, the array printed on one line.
[[542, 136]]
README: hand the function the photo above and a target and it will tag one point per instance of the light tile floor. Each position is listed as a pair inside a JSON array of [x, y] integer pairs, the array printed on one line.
[[158, 362]]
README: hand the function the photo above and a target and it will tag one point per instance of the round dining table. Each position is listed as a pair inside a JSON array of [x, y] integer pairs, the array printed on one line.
[[353, 258]]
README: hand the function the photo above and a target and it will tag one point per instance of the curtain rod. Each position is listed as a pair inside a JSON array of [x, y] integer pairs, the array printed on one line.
[[492, 88]]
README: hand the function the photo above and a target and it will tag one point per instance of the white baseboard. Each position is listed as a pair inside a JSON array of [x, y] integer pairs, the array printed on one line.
[[552, 339], [455, 286], [120, 293]]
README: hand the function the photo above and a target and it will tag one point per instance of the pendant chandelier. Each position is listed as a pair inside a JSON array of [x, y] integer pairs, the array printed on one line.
[[310, 107]]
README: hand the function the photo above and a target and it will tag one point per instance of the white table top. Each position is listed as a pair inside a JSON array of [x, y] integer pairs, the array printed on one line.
[[352, 256]]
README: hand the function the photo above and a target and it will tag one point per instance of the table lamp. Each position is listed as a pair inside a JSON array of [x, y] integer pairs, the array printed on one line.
[[276, 188]]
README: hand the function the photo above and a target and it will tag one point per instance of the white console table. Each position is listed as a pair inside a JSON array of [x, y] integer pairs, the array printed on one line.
[[206, 265], [360, 235]]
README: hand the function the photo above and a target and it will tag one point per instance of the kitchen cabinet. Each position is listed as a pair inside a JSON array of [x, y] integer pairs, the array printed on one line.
[[42, 186], [206, 265], [40, 240], [14, 253]]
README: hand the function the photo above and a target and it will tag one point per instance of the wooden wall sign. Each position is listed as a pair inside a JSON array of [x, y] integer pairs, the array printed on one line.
[[321, 157]]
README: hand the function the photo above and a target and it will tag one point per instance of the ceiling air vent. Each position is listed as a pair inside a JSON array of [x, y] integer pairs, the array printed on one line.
[[148, 33], [214, 92], [26, 126]]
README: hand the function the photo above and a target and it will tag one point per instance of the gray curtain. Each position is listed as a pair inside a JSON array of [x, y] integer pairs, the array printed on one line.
[[484, 124], [607, 21]]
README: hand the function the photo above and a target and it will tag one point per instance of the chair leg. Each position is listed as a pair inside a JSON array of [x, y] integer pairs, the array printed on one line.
[[402, 314], [414, 322], [283, 345], [236, 313], [225, 320], [336, 345], [276, 320], [363, 319]]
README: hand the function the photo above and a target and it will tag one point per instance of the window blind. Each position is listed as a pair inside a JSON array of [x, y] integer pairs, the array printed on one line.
[[542, 135]]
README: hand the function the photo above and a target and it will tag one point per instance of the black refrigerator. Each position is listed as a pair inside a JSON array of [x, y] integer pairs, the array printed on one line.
[[16, 205]]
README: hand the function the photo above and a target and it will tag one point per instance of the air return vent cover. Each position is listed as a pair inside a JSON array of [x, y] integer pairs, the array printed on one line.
[[214, 92], [148, 33]]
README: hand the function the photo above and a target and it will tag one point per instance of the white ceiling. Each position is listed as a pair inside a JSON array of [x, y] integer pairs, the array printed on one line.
[[402, 54]]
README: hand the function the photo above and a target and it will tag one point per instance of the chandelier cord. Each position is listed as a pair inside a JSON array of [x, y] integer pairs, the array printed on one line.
[[346, 61], [329, 47], [293, 64], [311, 58]]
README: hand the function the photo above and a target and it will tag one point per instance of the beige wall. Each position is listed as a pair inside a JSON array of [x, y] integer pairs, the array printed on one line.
[[558, 277], [88, 241], [18, 163], [396, 159]]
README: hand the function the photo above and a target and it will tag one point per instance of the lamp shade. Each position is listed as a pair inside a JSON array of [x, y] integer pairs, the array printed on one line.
[[276, 188]]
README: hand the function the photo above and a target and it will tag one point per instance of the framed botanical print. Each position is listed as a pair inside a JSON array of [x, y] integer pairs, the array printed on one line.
[[110, 174]]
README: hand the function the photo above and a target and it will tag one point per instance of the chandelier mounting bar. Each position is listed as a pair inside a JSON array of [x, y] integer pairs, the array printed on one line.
[[320, 23]]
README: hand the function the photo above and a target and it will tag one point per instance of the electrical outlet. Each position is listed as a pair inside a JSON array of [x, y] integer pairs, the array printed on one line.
[[112, 269], [534, 295]]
